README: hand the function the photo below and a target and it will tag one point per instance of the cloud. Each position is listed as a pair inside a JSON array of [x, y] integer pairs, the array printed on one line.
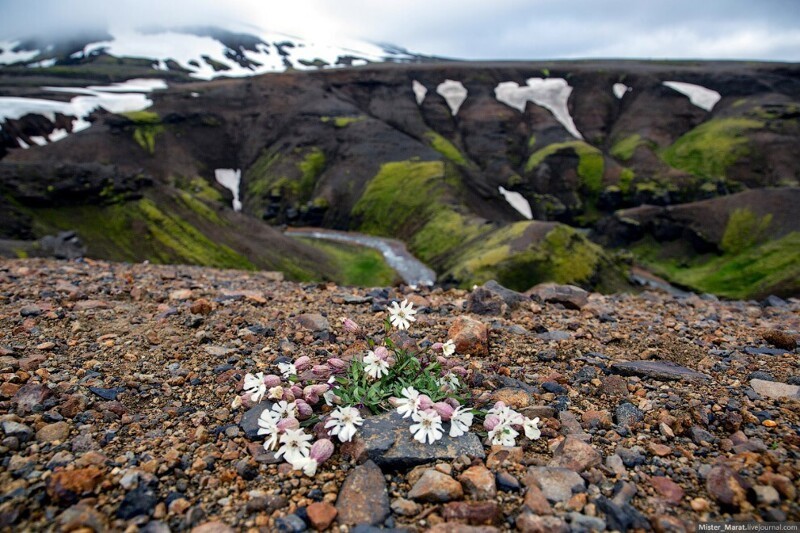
[[470, 29]]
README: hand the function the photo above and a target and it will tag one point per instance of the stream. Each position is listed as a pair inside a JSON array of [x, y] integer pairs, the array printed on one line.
[[412, 270]]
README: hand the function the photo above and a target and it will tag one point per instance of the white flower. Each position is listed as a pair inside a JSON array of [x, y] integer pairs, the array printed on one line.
[[532, 428], [268, 425], [287, 369], [460, 421], [285, 409], [503, 434], [306, 464], [375, 367], [448, 348], [409, 404], [507, 415], [401, 315], [343, 422], [254, 386], [275, 393], [295, 445], [428, 426], [449, 380]]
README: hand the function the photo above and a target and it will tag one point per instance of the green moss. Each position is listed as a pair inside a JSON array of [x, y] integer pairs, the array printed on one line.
[[273, 173], [446, 148], [709, 149], [342, 122], [310, 167], [532, 141], [743, 230], [199, 208], [260, 178], [355, 265], [626, 177], [590, 163], [143, 117], [443, 232], [20, 253], [400, 198], [624, 148], [740, 102], [545, 72]]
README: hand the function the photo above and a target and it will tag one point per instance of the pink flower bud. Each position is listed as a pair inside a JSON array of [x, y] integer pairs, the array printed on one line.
[[500, 405], [247, 401], [311, 398], [321, 371], [491, 422], [394, 402], [425, 402], [319, 389], [442, 360], [459, 370], [321, 451], [271, 380], [302, 363], [320, 431], [304, 410], [338, 365], [288, 423], [288, 395], [296, 390], [437, 346], [350, 326], [444, 410], [452, 402], [382, 353]]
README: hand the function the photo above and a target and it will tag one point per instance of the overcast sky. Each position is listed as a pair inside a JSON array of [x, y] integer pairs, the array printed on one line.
[[467, 29]]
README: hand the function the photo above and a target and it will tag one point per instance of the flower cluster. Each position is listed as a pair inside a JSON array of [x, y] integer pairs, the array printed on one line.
[[329, 398]]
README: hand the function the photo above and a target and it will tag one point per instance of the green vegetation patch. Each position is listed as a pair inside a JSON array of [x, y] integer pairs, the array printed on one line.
[[624, 148], [743, 230], [147, 127], [590, 162], [274, 173], [446, 148], [709, 149], [342, 122], [355, 265], [446, 230]]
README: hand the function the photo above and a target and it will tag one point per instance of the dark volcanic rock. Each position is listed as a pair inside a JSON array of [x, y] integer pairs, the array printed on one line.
[[628, 414], [139, 501], [106, 394], [388, 442], [249, 421], [660, 370], [567, 295]]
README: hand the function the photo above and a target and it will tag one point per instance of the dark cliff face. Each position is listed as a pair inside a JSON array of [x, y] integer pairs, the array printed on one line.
[[315, 147]]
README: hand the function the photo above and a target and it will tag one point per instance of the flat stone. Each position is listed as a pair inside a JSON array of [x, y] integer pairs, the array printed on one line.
[[667, 489], [575, 454], [58, 431], [106, 394], [658, 370], [213, 527], [478, 482], [15, 429], [474, 513], [569, 296], [470, 336], [628, 414], [387, 441], [726, 486], [363, 498], [554, 336], [68, 486], [436, 487], [30, 396], [404, 507], [536, 501], [249, 421], [775, 389], [321, 515], [557, 484], [180, 294], [82, 516], [313, 322], [530, 523], [513, 397]]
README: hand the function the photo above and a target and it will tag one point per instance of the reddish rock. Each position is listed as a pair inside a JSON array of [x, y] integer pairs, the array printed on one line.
[[536, 501], [667, 524], [726, 486], [436, 487], [363, 498], [8, 390], [597, 419], [81, 517], [780, 339], [478, 482], [74, 405], [321, 515], [614, 386], [667, 489], [781, 483], [513, 397], [575, 454], [201, 307], [213, 527], [29, 396], [313, 322], [474, 513], [501, 454], [68, 486], [660, 450], [470, 336], [56, 432], [87, 305], [180, 294], [32, 363], [530, 523]]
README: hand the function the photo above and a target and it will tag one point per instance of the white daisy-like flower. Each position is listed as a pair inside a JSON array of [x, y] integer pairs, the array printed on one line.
[[448, 348], [285, 409], [287, 369], [408, 405], [428, 426], [374, 366], [507, 415], [531, 428], [268, 425], [449, 380], [306, 464], [503, 435], [254, 386], [343, 422], [460, 421], [402, 315], [294, 445]]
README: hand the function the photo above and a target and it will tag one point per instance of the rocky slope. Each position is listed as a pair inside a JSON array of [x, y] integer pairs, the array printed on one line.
[[115, 406], [430, 153]]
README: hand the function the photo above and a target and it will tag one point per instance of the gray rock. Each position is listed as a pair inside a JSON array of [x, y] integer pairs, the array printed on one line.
[[290, 523], [493, 299], [107, 394], [659, 370], [631, 457], [775, 389], [30, 397], [249, 421], [313, 322], [557, 484], [390, 444], [700, 435], [622, 517], [581, 522], [363, 498], [554, 336], [628, 414], [568, 295], [15, 429]]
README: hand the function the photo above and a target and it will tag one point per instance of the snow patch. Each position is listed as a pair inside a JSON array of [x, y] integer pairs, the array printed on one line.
[[518, 202], [700, 96], [550, 93], [44, 63], [454, 94], [22, 144], [38, 140], [230, 179], [419, 91], [620, 89], [57, 134], [7, 56]]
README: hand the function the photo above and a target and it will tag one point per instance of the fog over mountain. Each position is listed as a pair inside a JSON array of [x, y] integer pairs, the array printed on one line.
[[469, 29]]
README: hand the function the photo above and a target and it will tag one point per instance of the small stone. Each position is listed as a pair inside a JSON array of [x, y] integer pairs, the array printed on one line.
[[726, 486], [780, 339], [700, 505], [536, 501], [557, 484], [614, 386], [213, 527], [474, 513], [659, 450], [180, 294], [767, 495], [68, 486], [106, 394], [782, 483], [201, 307], [507, 482], [667, 524], [321, 515], [575, 454], [631, 457], [667, 489], [499, 455], [58, 431], [30, 311], [569, 296], [479, 483], [775, 389], [82, 517], [513, 397], [363, 498], [313, 322], [597, 419], [628, 415], [404, 507], [249, 421], [658, 370], [530, 523], [29, 397], [436, 487], [470, 336], [15, 429], [140, 501]]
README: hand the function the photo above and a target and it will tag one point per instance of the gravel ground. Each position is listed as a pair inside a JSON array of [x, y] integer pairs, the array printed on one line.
[[117, 382]]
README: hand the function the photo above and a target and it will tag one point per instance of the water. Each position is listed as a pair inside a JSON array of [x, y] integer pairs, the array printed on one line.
[[412, 270]]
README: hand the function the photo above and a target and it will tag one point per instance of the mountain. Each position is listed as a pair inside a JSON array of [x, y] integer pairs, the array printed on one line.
[[508, 170]]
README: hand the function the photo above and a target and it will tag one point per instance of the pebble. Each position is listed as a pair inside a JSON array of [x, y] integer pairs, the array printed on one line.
[[569, 296], [57, 432], [726, 486], [530, 523], [474, 513], [658, 370], [575, 454], [557, 484], [363, 498], [775, 389], [471, 337], [628, 414], [478, 482], [434, 486]]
